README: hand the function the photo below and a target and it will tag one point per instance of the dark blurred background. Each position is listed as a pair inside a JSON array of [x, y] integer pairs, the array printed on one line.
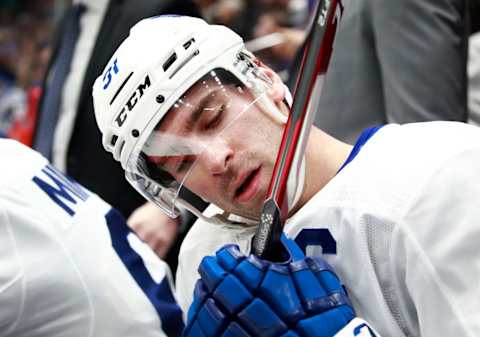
[[27, 31], [273, 29]]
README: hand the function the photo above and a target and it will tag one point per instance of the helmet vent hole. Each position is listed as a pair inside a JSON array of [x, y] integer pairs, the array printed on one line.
[[187, 44], [184, 62], [160, 99], [114, 139], [169, 61], [121, 147], [121, 87]]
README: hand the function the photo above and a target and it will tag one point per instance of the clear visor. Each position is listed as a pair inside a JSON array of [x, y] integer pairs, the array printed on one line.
[[192, 144]]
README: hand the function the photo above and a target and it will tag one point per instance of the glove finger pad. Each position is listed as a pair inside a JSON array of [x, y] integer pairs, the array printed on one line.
[[232, 294], [211, 272], [229, 257], [211, 318], [250, 272], [279, 291], [260, 320]]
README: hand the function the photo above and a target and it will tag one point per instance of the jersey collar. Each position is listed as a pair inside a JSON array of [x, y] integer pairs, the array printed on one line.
[[362, 140]]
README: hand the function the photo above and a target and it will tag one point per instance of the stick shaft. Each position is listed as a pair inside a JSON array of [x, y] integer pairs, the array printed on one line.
[[314, 66]]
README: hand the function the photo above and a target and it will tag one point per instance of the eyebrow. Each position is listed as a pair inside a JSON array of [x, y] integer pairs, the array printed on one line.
[[201, 107]]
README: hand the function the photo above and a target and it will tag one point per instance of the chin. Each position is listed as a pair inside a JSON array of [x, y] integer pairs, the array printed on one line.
[[252, 213]]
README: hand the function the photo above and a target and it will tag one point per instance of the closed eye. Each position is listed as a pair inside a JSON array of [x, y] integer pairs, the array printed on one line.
[[216, 119]]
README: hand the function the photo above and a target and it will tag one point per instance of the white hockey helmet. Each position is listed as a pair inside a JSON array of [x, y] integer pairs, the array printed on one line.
[[162, 58]]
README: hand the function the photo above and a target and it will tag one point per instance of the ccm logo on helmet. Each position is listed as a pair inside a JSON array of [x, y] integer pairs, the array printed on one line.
[[132, 101]]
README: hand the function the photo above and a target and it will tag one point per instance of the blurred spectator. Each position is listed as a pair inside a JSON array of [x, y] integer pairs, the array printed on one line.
[[12, 106], [25, 33], [8, 55], [285, 41], [474, 64], [474, 10], [273, 29], [22, 128], [223, 12], [12, 98], [474, 79], [279, 31], [395, 62], [34, 38]]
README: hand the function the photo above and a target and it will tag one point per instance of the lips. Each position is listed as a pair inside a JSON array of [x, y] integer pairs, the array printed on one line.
[[248, 185]]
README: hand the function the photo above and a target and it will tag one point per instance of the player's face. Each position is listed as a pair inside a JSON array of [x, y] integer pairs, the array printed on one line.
[[238, 142]]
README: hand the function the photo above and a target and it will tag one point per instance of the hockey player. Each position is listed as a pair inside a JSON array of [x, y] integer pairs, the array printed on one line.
[[69, 265], [183, 106]]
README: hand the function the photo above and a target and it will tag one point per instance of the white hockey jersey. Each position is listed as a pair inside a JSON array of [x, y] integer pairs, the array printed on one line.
[[401, 226], [69, 266]]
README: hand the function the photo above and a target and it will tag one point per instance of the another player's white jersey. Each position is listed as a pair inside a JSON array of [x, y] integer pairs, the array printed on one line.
[[69, 267], [401, 226]]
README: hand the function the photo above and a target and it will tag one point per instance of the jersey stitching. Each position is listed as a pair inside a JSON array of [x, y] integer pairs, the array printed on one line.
[[75, 267], [413, 199], [429, 268], [77, 271], [404, 325], [408, 233], [84, 286], [394, 323], [21, 275]]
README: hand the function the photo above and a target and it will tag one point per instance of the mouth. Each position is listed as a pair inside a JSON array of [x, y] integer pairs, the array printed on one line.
[[249, 186]]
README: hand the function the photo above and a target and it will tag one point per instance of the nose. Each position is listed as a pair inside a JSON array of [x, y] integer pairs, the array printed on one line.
[[216, 156]]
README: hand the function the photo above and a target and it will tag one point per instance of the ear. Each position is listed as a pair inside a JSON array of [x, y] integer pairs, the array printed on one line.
[[277, 89]]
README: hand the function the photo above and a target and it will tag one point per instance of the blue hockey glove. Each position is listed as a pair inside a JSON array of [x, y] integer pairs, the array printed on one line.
[[240, 296]]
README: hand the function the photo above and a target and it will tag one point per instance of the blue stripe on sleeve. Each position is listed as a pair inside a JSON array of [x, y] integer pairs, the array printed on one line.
[[160, 295]]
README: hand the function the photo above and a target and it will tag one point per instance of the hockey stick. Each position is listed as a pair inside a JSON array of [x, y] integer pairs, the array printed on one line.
[[266, 243]]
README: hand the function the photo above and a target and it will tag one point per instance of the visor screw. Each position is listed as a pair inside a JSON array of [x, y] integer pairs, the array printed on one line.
[[135, 133], [160, 99]]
